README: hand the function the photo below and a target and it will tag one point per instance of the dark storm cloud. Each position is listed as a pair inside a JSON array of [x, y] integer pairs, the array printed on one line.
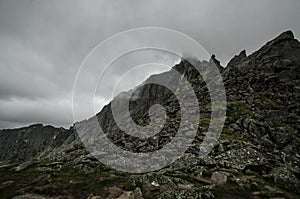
[[42, 43]]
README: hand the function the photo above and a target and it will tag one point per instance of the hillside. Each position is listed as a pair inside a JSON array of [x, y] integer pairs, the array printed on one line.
[[257, 155]]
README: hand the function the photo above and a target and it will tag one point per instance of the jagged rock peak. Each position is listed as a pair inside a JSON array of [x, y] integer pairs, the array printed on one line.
[[284, 49], [214, 60], [237, 58], [287, 35], [283, 37], [243, 54], [186, 63], [189, 60]]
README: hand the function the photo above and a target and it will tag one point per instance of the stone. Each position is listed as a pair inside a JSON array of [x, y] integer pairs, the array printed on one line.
[[219, 177], [23, 166], [115, 191], [126, 195], [95, 197], [155, 184], [137, 193], [7, 183]]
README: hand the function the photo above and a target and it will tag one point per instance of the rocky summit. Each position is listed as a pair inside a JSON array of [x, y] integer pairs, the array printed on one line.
[[257, 154]]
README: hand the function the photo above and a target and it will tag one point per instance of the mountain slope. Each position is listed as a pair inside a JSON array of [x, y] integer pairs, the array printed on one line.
[[257, 155]]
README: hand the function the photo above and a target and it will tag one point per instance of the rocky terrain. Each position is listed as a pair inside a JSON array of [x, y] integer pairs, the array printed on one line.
[[257, 155]]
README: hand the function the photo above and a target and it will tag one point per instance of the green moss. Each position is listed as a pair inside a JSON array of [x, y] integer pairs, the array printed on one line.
[[157, 194], [75, 183], [227, 134], [236, 108], [128, 186], [274, 122], [269, 102]]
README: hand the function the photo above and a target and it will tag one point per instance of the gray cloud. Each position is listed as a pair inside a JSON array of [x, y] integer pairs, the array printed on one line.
[[42, 43]]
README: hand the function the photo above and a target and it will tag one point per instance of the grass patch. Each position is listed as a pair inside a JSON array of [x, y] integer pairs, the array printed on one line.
[[269, 102], [227, 134], [71, 182], [239, 108]]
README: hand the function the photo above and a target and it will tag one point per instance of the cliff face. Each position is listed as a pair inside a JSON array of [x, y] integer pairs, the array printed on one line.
[[267, 84], [258, 151]]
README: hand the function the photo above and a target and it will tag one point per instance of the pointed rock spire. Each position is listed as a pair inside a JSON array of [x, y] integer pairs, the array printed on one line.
[[285, 36], [237, 58], [214, 60], [288, 35]]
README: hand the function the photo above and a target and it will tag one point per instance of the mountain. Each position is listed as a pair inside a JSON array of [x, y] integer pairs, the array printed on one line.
[[257, 155]]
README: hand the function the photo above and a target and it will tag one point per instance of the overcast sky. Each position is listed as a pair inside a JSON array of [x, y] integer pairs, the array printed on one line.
[[43, 43]]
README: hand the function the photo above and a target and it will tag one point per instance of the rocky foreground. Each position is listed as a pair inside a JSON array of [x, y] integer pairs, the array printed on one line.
[[257, 155]]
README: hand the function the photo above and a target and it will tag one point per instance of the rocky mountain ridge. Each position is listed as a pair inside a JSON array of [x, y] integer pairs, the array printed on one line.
[[257, 155]]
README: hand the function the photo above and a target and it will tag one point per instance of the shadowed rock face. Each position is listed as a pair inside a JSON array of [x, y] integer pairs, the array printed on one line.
[[258, 151], [25, 143], [237, 58]]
